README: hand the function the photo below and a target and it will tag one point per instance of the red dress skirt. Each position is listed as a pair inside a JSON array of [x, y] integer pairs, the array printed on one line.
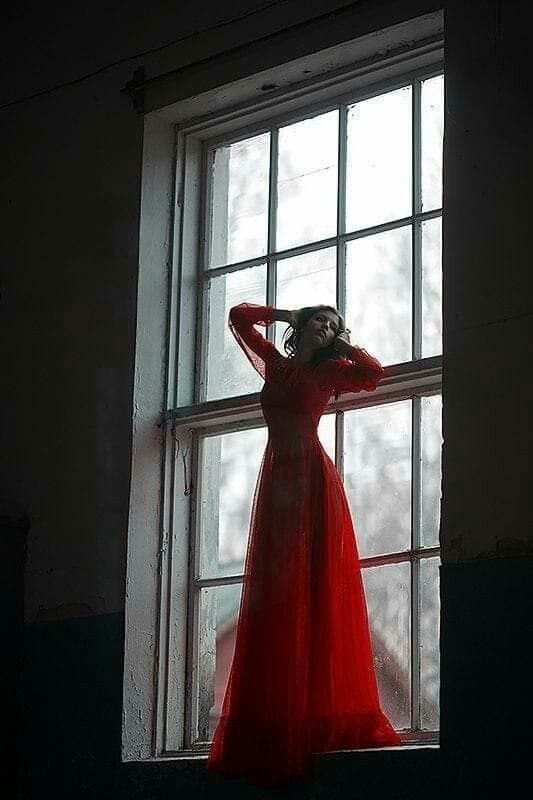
[[302, 679]]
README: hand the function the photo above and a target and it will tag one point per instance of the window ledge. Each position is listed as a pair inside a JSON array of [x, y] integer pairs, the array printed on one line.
[[201, 755]]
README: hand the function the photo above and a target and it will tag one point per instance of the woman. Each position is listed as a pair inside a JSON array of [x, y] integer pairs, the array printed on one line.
[[302, 678]]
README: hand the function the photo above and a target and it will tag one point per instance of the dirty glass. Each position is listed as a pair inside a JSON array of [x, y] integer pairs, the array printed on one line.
[[239, 201], [307, 181]]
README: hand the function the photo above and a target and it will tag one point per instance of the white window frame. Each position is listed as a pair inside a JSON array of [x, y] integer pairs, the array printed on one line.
[[167, 422]]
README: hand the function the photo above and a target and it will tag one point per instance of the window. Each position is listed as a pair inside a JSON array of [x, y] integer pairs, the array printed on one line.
[[331, 191]]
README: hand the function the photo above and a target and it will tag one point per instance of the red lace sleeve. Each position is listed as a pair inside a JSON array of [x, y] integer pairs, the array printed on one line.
[[359, 371], [259, 350]]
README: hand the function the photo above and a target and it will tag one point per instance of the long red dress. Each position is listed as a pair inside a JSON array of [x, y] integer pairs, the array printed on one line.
[[302, 678]]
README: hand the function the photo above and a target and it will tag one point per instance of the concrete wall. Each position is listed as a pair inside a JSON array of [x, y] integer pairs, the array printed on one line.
[[71, 155], [486, 526], [487, 510]]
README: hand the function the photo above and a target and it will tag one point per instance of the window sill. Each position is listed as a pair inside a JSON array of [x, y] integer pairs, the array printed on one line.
[[199, 754]]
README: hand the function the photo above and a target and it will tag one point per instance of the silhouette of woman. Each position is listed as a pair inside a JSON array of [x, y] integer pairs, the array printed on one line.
[[302, 678]]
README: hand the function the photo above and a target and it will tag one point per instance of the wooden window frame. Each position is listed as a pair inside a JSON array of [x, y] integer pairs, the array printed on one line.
[[168, 424]]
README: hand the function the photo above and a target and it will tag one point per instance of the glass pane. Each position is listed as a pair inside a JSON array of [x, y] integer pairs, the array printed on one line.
[[432, 138], [378, 294], [228, 370], [377, 473], [239, 201], [379, 174], [307, 181], [326, 434], [229, 471], [306, 280], [217, 627], [432, 287], [431, 444], [388, 591], [429, 643]]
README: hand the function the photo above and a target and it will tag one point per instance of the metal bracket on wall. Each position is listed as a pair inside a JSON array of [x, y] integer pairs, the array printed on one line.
[[135, 89], [184, 452]]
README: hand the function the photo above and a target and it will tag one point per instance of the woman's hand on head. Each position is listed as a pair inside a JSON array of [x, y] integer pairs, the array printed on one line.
[[284, 315], [341, 343], [293, 318]]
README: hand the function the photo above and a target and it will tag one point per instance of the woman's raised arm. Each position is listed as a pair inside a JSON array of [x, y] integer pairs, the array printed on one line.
[[354, 370], [242, 321]]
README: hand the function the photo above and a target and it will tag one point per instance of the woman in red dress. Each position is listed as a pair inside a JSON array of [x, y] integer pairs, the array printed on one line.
[[302, 679]]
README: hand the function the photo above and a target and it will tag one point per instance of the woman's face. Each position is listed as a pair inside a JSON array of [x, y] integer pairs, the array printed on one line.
[[320, 330]]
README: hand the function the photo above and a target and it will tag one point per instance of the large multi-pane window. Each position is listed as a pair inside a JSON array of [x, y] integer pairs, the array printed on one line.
[[338, 202]]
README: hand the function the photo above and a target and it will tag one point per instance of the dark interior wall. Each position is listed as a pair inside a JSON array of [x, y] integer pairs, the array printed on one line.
[[72, 188], [71, 157], [487, 576], [487, 281], [71, 149], [64, 42]]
